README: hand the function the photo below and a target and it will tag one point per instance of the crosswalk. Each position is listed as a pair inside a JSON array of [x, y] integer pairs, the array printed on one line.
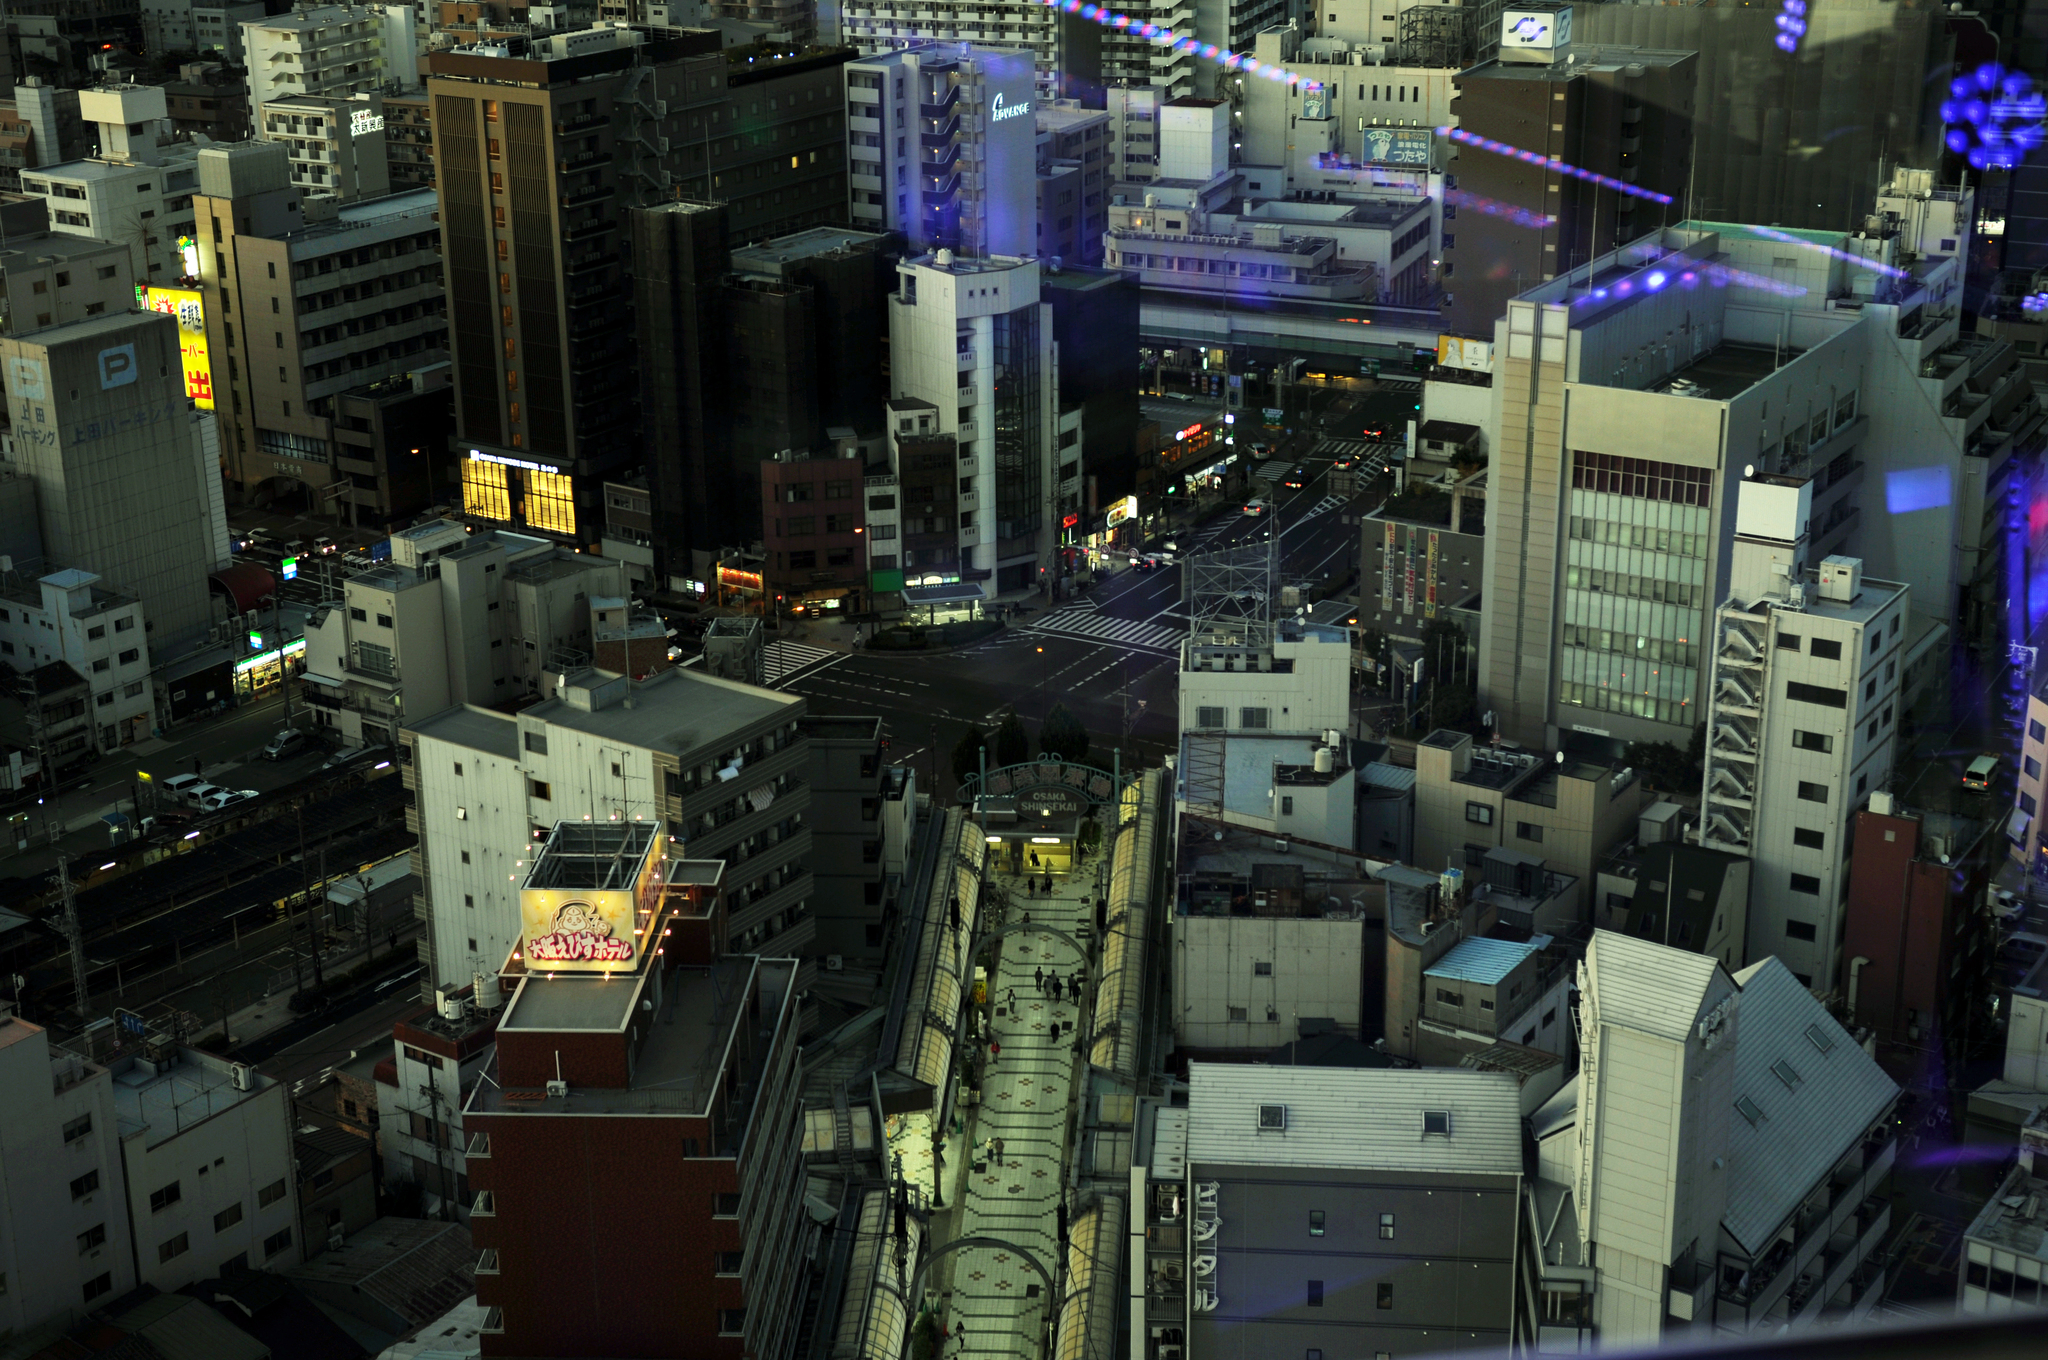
[[1337, 450], [1394, 381], [780, 660], [1128, 632]]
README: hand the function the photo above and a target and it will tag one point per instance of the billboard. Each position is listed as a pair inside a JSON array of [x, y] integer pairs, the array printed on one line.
[[1398, 146], [184, 304], [590, 930], [1475, 355]]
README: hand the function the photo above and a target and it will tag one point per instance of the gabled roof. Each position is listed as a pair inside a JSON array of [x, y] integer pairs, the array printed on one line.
[[1808, 1123], [1355, 1118], [1644, 986]]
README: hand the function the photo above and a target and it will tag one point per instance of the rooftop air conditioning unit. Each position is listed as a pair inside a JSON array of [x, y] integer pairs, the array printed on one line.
[[835, 963], [242, 1075], [558, 1088]]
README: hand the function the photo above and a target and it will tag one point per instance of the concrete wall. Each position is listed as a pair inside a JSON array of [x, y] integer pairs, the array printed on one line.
[[1315, 971], [480, 814]]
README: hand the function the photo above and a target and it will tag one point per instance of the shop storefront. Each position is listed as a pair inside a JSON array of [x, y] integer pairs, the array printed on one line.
[[258, 675], [958, 602], [1036, 818]]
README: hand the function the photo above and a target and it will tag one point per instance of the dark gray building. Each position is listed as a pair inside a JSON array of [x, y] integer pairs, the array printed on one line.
[[1320, 1212], [848, 772]]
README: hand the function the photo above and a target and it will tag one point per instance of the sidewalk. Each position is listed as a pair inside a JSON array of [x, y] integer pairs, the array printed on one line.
[[997, 1304]]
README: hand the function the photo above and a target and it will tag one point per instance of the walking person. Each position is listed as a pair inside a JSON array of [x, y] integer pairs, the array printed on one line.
[[1013, 999], [1034, 859], [1039, 973]]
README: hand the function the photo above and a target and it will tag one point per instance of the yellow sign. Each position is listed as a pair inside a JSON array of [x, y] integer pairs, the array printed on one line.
[[185, 305], [591, 930], [1119, 511]]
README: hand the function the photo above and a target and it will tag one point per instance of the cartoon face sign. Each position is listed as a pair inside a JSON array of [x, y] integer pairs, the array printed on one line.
[[579, 933]]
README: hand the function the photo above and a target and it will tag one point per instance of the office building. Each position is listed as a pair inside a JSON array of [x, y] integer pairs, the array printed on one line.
[[1075, 157], [1095, 326], [1294, 681], [853, 787], [1721, 1163], [955, 325], [391, 438], [66, 1225], [1423, 558], [813, 535], [1917, 949], [422, 1087], [1622, 112], [545, 376], [750, 357], [346, 296], [68, 616], [1803, 725], [331, 51], [723, 763], [208, 1164], [942, 146], [451, 618], [336, 146], [1311, 1212], [677, 1059], [127, 485], [137, 191], [1357, 125]]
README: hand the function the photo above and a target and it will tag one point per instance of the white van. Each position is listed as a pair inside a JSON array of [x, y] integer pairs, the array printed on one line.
[[1981, 772]]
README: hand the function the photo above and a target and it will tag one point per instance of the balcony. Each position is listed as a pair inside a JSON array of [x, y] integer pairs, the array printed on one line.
[[479, 1146], [493, 1323], [487, 1261], [485, 1205]]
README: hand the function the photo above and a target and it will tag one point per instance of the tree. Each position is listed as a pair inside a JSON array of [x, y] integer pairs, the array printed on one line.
[[1452, 705], [1012, 747], [967, 754], [1062, 735]]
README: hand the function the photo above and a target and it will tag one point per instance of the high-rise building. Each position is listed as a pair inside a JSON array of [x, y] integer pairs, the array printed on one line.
[[1621, 112], [971, 340], [723, 763], [631, 1037], [1074, 160], [346, 296], [1095, 326], [1802, 723], [336, 145], [540, 142], [1065, 51], [65, 1224], [328, 50], [942, 147], [746, 356], [137, 190], [127, 479]]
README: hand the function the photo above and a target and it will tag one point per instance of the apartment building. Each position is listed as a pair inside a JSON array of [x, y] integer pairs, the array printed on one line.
[[126, 475], [942, 147], [422, 1088], [1062, 50], [65, 1229], [452, 618], [724, 763], [1312, 1212], [51, 278], [679, 1060], [101, 634], [137, 192], [336, 146], [2004, 1268], [409, 140], [208, 1164], [184, 26], [812, 531], [546, 379], [1676, 894], [1721, 1164], [972, 340], [851, 785], [1802, 726], [348, 295], [332, 51]]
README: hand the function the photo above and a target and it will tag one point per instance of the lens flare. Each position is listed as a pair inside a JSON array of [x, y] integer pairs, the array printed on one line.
[[1550, 163]]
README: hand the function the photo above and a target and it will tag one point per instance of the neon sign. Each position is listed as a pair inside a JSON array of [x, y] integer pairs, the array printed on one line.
[[999, 111]]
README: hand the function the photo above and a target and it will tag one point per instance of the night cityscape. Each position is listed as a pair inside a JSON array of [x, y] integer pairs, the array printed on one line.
[[1022, 680]]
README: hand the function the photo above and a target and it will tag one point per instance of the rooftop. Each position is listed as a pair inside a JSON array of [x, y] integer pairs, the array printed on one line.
[[166, 1098], [1355, 1118], [366, 213], [479, 729], [1483, 961], [1726, 371], [1588, 57], [677, 710], [770, 256], [2005, 1223], [592, 857]]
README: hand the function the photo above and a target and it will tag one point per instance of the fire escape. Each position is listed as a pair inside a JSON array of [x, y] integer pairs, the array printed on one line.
[[1735, 728]]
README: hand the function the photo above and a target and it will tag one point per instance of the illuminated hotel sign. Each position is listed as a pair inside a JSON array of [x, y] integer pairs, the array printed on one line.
[[479, 456], [591, 929], [998, 110], [363, 121]]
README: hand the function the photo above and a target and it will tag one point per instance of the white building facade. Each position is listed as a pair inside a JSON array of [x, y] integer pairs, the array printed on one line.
[[136, 192], [332, 50], [100, 633]]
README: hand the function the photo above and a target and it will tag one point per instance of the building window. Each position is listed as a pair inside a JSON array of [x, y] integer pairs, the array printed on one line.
[[1315, 1293], [725, 1206], [2035, 731], [1252, 717], [1789, 642], [537, 788], [1813, 741], [1384, 1294], [1825, 649], [1529, 831], [230, 1216], [1749, 1110], [1235, 1013], [162, 1199], [732, 1321], [1822, 695], [2032, 767], [78, 1128], [102, 1283], [1315, 1223], [1480, 814], [1262, 969], [1447, 997], [85, 1185], [537, 743], [91, 1237], [1806, 883], [1286, 805], [1386, 1227], [167, 1252], [1811, 839], [1813, 793], [281, 1240], [1799, 930], [270, 1194], [1436, 1121], [1211, 717]]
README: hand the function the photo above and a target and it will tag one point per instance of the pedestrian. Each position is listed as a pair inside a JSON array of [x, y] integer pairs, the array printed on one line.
[[1013, 999], [1027, 918], [1034, 859], [1048, 885], [195, 765], [1039, 973], [1031, 887], [999, 1153], [1074, 986], [995, 1051]]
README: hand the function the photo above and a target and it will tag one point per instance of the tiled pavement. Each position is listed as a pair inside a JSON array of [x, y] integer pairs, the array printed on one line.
[[1025, 1100]]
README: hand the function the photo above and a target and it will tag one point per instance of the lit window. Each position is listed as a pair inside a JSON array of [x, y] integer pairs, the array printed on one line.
[[485, 492]]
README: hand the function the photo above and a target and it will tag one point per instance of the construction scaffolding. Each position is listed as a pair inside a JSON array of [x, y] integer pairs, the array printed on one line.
[[1454, 36]]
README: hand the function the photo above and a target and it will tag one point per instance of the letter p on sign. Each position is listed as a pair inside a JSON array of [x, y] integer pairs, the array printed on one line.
[[117, 366]]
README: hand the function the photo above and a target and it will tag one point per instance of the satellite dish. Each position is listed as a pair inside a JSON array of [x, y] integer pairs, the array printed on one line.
[[1749, 470], [1560, 757]]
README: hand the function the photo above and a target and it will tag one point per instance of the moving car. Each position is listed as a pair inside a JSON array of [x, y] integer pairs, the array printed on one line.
[[1297, 478], [1981, 772], [285, 745], [1255, 506]]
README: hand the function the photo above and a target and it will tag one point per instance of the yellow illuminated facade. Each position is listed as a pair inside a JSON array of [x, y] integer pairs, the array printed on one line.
[[486, 490], [186, 305], [550, 501]]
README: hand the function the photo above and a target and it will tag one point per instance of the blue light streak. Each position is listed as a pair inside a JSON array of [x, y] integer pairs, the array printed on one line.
[[1520, 216], [1178, 42], [1550, 163], [1909, 489], [1888, 271]]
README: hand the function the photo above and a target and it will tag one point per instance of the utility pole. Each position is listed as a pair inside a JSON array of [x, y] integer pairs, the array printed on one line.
[[284, 673], [306, 900], [75, 937]]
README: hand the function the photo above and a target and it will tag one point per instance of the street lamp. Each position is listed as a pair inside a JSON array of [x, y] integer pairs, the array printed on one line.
[[1044, 708]]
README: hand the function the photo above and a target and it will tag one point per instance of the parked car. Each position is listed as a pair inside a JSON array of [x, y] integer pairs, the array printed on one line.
[[1255, 506], [225, 798], [285, 745], [197, 794], [351, 754], [177, 788]]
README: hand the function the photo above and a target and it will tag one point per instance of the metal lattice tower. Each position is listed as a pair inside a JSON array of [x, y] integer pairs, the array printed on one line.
[[1228, 594]]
